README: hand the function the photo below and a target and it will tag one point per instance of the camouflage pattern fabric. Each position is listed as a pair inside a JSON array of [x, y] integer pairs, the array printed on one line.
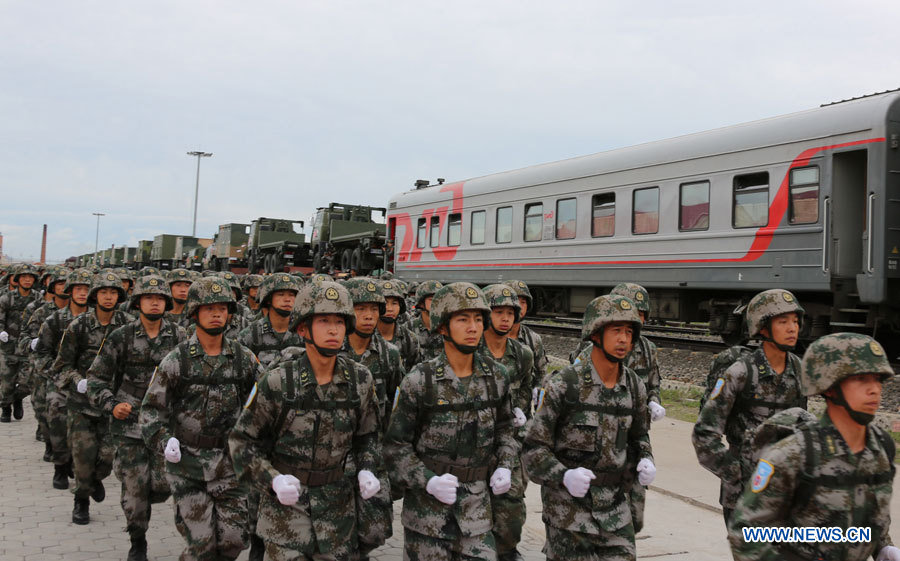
[[39, 374], [408, 345], [13, 384], [830, 359], [430, 344], [565, 545], [265, 342], [534, 342], [768, 304], [643, 359], [49, 336], [211, 515], [92, 450], [636, 293], [469, 548]]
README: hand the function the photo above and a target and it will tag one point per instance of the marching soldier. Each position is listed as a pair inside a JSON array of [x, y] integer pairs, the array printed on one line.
[[451, 440], [430, 343], [751, 390], [589, 439], [526, 335], [117, 381], [304, 423], [179, 283], [252, 285], [271, 333], [13, 371], [394, 331], [193, 401]]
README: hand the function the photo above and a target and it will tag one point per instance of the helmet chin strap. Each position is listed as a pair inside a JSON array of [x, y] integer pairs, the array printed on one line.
[[363, 334], [464, 349], [152, 317], [180, 300], [779, 346], [212, 330], [324, 351], [104, 308], [282, 313], [500, 333], [609, 357], [388, 319], [858, 417]]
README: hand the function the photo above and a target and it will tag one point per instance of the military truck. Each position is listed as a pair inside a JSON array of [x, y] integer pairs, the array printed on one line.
[[274, 244], [185, 245], [346, 237], [142, 254], [231, 244]]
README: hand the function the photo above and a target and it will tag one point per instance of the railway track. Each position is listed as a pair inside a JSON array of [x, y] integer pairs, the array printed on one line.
[[689, 338]]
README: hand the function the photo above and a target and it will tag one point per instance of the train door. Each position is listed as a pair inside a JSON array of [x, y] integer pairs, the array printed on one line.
[[848, 209]]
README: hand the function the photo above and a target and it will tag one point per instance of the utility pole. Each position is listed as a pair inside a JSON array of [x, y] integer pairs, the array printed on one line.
[[197, 185], [97, 238]]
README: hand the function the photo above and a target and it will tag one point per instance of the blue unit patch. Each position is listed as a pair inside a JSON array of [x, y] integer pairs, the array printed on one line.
[[717, 389], [540, 402], [761, 477], [396, 399], [250, 397]]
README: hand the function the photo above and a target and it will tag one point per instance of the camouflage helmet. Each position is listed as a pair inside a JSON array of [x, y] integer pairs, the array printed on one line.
[[151, 284], [637, 293], [274, 283], [209, 290], [498, 295], [327, 297], [78, 276], [365, 289], [107, 279], [607, 309], [233, 282], [456, 297], [26, 269], [319, 278], [831, 358], [58, 275], [148, 271], [196, 275], [124, 275], [252, 281], [411, 288], [394, 289], [768, 304], [179, 275], [426, 289], [522, 291], [387, 275]]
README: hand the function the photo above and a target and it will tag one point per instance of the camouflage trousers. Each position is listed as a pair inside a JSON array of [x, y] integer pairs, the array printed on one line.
[[275, 552], [374, 516], [39, 404], [636, 499], [509, 513], [143, 479], [211, 516], [419, 547], [58, 424], [13, 379], [92, 451], [576, 546]]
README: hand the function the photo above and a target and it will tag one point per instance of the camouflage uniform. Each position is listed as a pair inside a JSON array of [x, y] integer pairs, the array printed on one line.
[[121, 373], [529, 337], [841, 488], [265, 342], [242, 309], [39, 374], [443, 424], [748, 393], [580, 423], [196, 398], [431, 344], [253, 281], [13, 385], [173, 276], [404, 339]]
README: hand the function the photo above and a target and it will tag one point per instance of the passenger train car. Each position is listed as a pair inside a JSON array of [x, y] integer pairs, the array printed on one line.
[[808, 201]]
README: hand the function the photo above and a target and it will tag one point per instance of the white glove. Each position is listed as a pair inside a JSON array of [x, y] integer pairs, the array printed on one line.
[[646, 472], [287, 488], [657, 411], [173, 450], [520, 418], [578, 481], [34, 343], [4, 337], [501, 481], [81, 386], [534, 397], [888, 553], [443, 488], [368, 484]]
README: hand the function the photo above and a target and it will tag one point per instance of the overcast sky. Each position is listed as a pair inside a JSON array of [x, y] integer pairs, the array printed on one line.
[[303, 103]]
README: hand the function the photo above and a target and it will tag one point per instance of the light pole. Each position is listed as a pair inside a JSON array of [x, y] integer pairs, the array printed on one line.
[[197, 185], [97, 238]]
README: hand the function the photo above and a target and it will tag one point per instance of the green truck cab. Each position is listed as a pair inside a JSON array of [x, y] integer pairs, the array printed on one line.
[[347, 238]]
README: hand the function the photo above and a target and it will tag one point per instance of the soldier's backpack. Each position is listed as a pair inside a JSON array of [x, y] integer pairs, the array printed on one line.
[[722, 362], [799, 421]]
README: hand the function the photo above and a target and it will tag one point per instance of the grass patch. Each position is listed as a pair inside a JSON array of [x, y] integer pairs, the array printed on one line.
[[682, 403]]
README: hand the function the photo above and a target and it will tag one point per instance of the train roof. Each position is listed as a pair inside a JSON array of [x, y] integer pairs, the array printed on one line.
[[860, 114]]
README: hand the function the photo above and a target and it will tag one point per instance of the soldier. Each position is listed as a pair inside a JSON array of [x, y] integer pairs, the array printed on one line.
[[589, 437], [117, 381], [430, 343], [751, 390], [193, 400], [271, 333], [307, 422], [451, 436], [832, 473], [392, 330], [179, 283], [235, 285], [13, 384], [509, 508], [87, 427], [525, 334], [127, 281], [251, 289]]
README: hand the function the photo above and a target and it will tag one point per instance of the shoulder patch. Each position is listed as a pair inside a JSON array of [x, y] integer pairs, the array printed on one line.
[[250, 397], [762, 476], [540, 402], [717, 389]]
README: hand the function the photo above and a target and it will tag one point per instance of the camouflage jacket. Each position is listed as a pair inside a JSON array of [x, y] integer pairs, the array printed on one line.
[[236, 324], [579, 422], [733, 408], [382, 359], [180, 320], [49, 336], [79, 345], [466, 423], [534, 342], [197, 398], [322, 429], [518, 360], [643, 359], [12, 317], [122, 369], [32, 330], [265, 342], [430, 344], [408, 344], [851, 489]]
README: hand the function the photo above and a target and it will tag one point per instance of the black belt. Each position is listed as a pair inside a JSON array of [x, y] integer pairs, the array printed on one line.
[[309, 477], [205, 441], [463, 474]]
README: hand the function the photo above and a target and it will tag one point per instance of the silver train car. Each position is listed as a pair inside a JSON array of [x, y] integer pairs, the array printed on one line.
[[808, 201]]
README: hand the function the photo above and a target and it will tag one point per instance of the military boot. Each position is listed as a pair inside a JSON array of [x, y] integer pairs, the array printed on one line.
[[138, 551], [99, 492], [257, 548], [18, 412], [6, 415], [60, 477], [81, 513], [48, 452]]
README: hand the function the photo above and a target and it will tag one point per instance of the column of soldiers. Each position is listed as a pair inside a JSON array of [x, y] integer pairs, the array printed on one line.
[[291, 423]]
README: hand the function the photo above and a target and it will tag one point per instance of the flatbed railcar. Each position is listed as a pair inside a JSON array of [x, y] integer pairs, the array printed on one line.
[[808, 201]]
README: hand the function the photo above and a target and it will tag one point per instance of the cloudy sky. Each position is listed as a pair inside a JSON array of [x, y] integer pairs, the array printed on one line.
[[307, 102]]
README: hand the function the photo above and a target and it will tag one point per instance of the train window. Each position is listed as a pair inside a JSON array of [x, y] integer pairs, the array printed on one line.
[[566, 218], [504, 224], [454, 229], [750, 206], [603, 215], [534, 222], [435, 231], [422, 232], [694, 206], [804, 202], [645, 216], [477, 236]]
